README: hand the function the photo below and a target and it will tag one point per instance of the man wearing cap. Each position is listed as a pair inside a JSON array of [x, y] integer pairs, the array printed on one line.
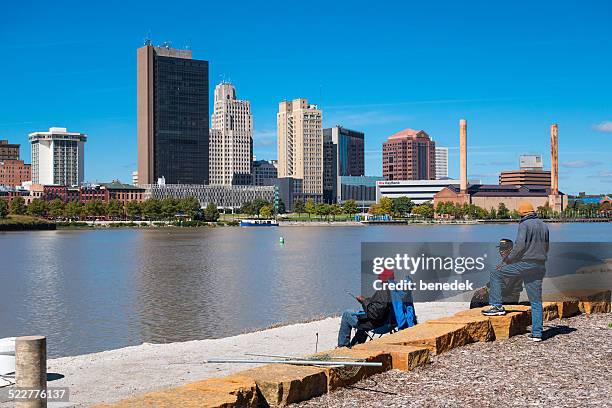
[[528, 261], [375, 313]]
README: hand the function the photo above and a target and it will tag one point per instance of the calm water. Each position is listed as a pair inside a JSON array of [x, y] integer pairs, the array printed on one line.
[[96, 290]]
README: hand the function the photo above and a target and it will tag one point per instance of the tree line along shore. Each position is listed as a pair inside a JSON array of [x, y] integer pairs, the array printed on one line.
[[41, 214]]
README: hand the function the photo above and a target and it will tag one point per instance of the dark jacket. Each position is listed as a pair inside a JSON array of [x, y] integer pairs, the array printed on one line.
[[377, 308], [531, 244]]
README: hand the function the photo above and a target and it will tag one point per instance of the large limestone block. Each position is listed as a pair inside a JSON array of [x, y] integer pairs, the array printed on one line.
[[342, 376], [403, 357], [225, 392], [284, 384], [550, 311], [438, 338], [567, 308], [514, 322], [479, 328], [594, 302]]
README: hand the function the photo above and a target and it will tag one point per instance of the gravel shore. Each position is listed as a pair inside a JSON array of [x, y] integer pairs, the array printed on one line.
[[572, 368], [117, 374]]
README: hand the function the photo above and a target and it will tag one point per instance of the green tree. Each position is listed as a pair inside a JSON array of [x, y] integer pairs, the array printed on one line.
[[114, 209], [95, 208], [151, 209], [190, 206], [56, 208], [502, 211], [211, 213], [322, 210], [492, 214], [424, 210], [309, 208], [246, 208], [349, 207], [17, 206], [266, 211], [334, 210], [515, 215], [169, 208], [281, 207], [298, 207], [386, 205], [256, 206], [132, 209], [402, 206], [4, 208], [73, 209], [38, 208]]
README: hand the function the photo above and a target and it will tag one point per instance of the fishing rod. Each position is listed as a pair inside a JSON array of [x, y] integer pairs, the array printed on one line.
[[296, 362]]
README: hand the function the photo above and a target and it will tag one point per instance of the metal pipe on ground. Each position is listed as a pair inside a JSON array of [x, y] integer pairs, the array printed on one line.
[[297, 362]]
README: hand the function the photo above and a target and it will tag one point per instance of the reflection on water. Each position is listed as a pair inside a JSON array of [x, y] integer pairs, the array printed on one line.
[[96, 290]]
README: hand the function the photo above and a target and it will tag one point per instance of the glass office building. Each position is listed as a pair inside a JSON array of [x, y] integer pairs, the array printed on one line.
[[173, 116]]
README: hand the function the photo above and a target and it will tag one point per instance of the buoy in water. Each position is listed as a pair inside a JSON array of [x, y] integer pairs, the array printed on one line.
[[281, 240]]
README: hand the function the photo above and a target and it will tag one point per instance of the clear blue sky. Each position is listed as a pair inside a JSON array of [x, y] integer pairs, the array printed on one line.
[[510, 69]]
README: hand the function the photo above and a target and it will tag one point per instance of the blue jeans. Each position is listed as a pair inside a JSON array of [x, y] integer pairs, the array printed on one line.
[[532, 274], [347, 324]]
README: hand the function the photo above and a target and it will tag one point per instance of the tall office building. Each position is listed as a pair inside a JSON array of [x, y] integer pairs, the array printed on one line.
[[441, 163], [409, 155], [231, 138], [58, 157], [262, 170], [172, 98], [300, 144], [8, 151], [343, 155]]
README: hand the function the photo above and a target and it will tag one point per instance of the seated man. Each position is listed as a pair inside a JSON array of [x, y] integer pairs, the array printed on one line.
[[512, 285], [375, 313]]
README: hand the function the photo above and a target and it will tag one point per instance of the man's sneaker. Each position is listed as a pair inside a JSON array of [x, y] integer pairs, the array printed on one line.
[[494, 311], [534, 338]]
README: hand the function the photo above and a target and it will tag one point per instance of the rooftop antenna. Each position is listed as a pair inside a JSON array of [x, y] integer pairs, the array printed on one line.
[[188, 46], [167, 44]]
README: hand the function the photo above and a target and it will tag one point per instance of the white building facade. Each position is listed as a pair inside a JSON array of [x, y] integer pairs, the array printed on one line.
[[441, 162], [231, 138], [419, 191], [58, 157], [300, 143]]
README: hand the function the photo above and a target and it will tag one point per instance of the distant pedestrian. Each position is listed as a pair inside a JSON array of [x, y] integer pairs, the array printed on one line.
[[528, 261]]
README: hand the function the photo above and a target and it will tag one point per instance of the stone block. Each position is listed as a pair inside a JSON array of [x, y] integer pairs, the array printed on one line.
[[514, 322], [550, 311], [438, 338], [403, 357], [225, 392], [284, 384], [479, 328], [342, 376], [567, 308]]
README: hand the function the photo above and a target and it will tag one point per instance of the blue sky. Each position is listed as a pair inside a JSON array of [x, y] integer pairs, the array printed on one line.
[[511, 69]]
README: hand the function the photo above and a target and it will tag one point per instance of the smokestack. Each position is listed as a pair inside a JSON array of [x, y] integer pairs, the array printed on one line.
[[554, 160], [463, 154]]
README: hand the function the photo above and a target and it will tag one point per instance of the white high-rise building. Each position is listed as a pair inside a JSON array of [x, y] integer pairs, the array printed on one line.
[[58, 157], [300, 144], [441, 162], [231, 138]]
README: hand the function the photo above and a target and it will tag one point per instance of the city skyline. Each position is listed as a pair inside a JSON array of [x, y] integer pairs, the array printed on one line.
[[508, 86]]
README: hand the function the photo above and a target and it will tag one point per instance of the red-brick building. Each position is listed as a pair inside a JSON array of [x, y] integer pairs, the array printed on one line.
[[409, 155], [14, 172]]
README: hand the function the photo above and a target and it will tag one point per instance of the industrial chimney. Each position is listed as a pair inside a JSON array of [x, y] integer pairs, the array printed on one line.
[[463, 155], [554, 160]]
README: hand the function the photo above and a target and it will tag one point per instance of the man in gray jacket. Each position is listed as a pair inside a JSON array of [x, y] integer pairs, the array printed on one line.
[[527, 260]]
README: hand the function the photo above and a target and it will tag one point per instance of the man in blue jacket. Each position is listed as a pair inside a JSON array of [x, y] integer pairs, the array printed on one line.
[[527, 260]]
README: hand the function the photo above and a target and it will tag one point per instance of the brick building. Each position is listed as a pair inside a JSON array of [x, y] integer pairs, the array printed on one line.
[[14, 172], [409, 155]]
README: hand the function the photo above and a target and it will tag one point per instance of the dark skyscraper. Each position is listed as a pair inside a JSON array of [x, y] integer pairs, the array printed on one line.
[[343, 155], [173, 120]]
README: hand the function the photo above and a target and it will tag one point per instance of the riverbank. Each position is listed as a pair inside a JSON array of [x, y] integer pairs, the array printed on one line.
[[570, 369], [117, 374], [25, 223]]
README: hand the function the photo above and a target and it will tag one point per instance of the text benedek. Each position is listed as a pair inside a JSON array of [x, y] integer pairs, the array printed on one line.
[[412, 286]]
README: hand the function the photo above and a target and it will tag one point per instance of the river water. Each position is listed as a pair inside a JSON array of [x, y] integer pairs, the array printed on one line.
[[93, 290]]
